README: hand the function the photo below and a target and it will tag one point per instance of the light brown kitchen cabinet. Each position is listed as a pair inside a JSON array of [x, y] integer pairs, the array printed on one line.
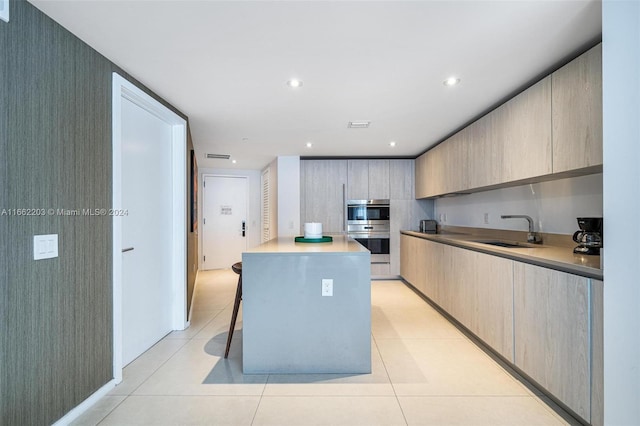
[[357, 179], [453, 155], [431, 170], [368, 179], [379, 180], [412, 261], [597, 353], [422, 180], [552, 333], [401, 179], [547, 323], [553, 127], [323, 186], [474, 288], [577, 112], [521, 132]]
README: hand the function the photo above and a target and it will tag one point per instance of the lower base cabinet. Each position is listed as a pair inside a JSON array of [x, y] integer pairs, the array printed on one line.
[[547, 323], [552, 333], [474, 288]]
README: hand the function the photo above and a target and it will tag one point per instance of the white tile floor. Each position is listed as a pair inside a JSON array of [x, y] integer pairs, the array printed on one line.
[[425, 372]]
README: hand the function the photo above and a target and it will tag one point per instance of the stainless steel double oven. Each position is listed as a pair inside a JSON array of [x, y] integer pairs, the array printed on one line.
[[368, 224]]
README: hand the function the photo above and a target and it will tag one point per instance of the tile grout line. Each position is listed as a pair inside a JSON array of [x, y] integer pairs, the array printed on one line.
[[390, 381], [186, 341]]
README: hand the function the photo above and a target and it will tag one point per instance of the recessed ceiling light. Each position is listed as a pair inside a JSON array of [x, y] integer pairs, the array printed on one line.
[[451, 81], [392, 144], [294, 83], [309, 144], [234, 161]]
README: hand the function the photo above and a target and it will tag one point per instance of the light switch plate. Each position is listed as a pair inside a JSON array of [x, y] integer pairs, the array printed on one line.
[[45, 246]]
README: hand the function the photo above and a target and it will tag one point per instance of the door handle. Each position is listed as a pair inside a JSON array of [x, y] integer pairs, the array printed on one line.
[[124, 250], [243, 228]]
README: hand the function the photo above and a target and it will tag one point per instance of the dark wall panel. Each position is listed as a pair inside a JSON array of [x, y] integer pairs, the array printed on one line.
[[58, 340], [192, 237], [55, 153], [4, 223]]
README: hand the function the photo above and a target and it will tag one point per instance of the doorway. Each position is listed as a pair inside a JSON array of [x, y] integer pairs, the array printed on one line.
[[149, 222], [224, 224]]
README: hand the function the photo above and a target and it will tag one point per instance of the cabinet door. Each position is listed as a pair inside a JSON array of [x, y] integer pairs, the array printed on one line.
[[411, 266], [552, 332], [491, 309], [358, 180], [484, 158], [436, 170], [577, 112], [378, 180], [401, 179], [421, 178], [324, 193], [454, 170], [399, 220], [521, 130], [597, 357]]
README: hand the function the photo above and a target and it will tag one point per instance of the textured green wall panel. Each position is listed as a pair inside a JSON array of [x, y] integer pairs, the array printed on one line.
[[55, 153], [58, 336]]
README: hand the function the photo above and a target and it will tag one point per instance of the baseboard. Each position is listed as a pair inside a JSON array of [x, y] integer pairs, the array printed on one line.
[[86, 404]]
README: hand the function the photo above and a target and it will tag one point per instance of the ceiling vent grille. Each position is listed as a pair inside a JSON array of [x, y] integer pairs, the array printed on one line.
[[219, 156], [358, 124]]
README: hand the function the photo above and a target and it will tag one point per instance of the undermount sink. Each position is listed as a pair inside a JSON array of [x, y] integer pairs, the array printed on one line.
[[507, 244]]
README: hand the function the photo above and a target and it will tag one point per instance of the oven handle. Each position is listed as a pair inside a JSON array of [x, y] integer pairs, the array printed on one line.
[[368, 235]]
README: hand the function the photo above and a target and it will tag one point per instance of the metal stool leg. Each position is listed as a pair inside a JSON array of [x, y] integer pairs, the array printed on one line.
[[234, 315]]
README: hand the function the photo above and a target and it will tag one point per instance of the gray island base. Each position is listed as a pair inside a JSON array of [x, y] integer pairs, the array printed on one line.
[[289, 327]]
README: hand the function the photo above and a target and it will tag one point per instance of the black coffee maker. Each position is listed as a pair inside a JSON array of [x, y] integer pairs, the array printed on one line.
[[589, 237]]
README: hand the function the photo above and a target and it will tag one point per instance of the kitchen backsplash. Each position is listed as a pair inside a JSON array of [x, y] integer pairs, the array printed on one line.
[[554, 205]]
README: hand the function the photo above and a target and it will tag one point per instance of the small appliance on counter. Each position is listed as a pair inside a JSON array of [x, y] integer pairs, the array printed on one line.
[[589, 237], [428, 226]]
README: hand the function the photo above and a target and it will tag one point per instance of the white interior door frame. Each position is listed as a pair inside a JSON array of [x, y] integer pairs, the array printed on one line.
[[123, 89]]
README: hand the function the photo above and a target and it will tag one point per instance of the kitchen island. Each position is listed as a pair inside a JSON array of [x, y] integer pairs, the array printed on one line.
[[289, 326]]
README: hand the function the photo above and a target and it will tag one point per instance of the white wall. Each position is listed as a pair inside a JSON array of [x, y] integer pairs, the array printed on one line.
[[253, 221], [554, 206], [288, 196], [621, 120]]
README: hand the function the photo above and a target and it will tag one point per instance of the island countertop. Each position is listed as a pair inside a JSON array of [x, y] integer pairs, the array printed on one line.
[[340, 244]]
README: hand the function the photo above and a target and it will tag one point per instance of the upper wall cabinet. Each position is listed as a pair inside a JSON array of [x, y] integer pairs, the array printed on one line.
[[322, 185], [521, 134], [577, 113], [553, 127], [401, 182], [368, 179]]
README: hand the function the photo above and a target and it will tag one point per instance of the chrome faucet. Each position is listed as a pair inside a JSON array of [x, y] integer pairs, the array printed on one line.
[[532, 236]]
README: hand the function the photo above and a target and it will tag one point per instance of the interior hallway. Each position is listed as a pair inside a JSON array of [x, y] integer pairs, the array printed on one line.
[[425, 372]]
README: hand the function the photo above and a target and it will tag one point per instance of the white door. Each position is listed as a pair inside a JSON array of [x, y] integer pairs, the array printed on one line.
[[147, 229], [224, 226]]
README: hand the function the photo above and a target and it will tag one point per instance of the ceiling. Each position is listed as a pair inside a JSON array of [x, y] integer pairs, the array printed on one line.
[[225, 64]]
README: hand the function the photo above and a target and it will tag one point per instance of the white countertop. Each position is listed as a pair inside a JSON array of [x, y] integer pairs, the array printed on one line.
[[340, 244]]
